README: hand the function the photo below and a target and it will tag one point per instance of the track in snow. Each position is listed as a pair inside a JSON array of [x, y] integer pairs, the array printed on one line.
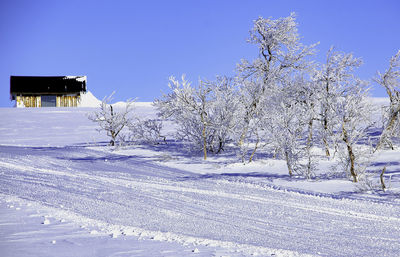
[[130, 191]]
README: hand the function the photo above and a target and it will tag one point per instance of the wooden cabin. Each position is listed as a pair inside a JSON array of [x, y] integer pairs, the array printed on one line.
[[55, 91]]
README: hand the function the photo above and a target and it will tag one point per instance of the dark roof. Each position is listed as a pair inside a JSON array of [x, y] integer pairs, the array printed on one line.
[[47, 85]]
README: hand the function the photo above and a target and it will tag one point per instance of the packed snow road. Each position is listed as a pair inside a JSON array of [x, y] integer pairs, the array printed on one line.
[[131, 192]]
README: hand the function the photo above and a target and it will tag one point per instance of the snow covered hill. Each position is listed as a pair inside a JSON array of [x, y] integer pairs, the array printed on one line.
[[63, 192], [89, 100]]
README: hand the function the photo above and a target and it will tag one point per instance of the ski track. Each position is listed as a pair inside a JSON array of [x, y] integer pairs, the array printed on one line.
[[129, 191]]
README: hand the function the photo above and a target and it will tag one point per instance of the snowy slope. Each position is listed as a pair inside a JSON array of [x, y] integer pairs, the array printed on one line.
[[88, 100], [145, 201]]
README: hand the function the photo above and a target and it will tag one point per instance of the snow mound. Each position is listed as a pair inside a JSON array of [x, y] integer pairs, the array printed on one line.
[[136, 104], [144, 104], [89, 100], [119, 104]]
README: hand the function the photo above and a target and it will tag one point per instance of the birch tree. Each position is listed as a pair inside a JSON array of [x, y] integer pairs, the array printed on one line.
[[289, 122], [345, 111], [306, 98], [189, 107], [329, 78], [225, 112], [390, 80], [286, 130], [354, 119], [280, 52]]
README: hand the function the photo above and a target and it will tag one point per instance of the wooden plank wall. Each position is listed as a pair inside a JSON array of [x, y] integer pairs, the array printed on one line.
[[30, 101], [35, 101], [67, 101]]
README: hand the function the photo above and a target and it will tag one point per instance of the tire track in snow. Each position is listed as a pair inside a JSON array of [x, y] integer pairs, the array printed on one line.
[[129, 183], [213, 204]]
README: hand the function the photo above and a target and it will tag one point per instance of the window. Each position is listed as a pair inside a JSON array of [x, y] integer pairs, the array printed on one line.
[[49, 100]]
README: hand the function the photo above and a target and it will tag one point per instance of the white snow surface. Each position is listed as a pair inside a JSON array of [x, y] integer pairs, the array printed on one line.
[[63, 192], [88, 100]]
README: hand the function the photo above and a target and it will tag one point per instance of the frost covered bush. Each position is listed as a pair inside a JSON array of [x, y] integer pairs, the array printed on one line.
[[112, 120], [205, 114], [146, 131]]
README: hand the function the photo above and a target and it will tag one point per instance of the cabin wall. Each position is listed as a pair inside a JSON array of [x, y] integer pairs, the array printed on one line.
[[29, 101], [35, 101], [67, 101]]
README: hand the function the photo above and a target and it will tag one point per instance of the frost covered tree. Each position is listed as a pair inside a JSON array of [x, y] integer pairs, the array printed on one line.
[[344, 109], [249, 118], [289, 122], [353, 112], [112, 120], [329, 79], [206, 115], [304, 95], [308, 97], [224, 111], [390, 80], [189, 107], [280, 53], [286, 127]]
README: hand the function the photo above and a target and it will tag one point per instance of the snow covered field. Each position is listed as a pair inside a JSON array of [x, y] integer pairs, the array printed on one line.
[[63, 192]]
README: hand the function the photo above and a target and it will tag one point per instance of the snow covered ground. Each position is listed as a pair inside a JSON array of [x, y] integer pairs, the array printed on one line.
[[63, 192]]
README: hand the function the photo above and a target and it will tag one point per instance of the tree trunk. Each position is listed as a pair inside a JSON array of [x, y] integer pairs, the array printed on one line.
[[220, 145], [247, 120], [255, 148], [204, 143], [325, 123], [309, 145], [351, 155], [310, 133], [388, 129], [352, 159], [382, 180], [112, 142], [325, 120], [243, 135], [113, 135], [203, 133], [288, 164]]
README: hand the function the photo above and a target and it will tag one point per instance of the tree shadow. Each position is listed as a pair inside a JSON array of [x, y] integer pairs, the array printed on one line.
[[268, 176], [380, 164], [105, 158], [137, 165], [185, 153]]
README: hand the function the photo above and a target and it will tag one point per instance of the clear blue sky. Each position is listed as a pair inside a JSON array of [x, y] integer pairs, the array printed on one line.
[[132, 47]]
